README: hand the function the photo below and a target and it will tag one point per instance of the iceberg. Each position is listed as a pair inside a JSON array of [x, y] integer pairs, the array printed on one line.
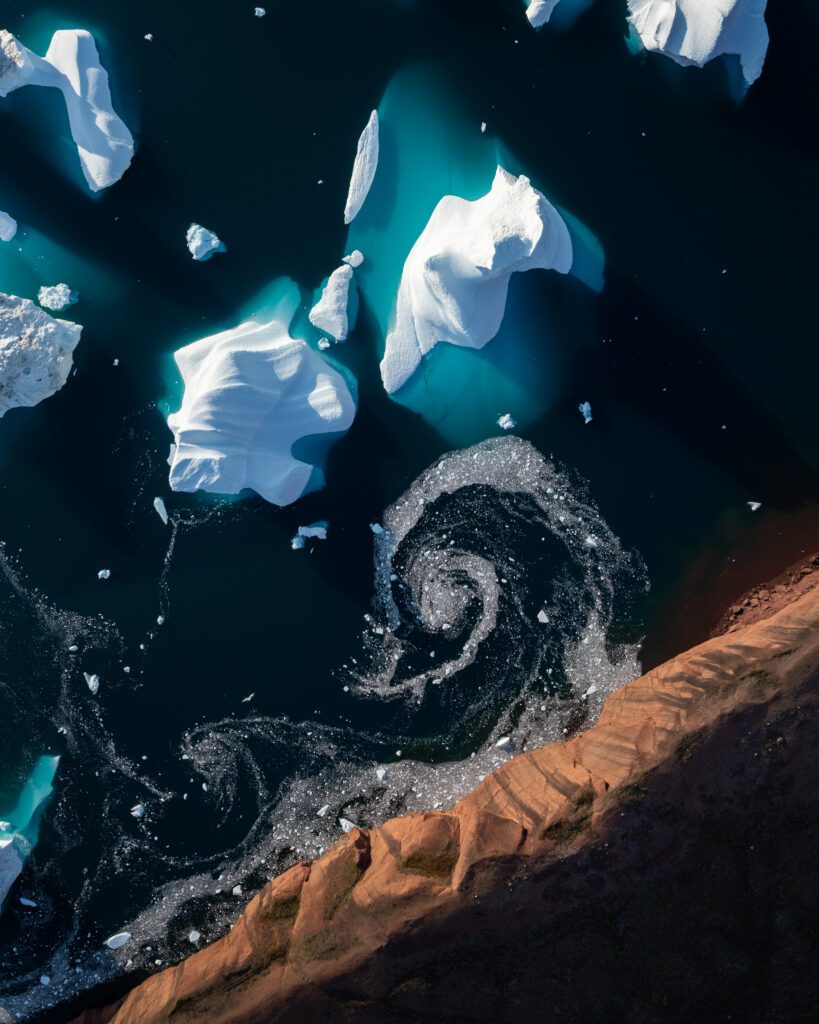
[[585, 411], [455, 279], [693, 32], [8, 227], [161, 511], [72, 65], [250, 394], [35, 353], [355, 259], [539, 11], [56, 297], [318, 531], [507, 422], [202, 244], [330, 312], [366, 162], [20, 828]]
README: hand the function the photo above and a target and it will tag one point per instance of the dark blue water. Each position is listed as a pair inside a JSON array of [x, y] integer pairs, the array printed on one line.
[[698, 357]]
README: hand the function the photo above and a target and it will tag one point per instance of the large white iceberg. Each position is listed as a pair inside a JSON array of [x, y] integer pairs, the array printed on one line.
[[455, 279], [539, 11], [250, 394], [8, 227], [35, 352], [202, 244], [330, 312], [366, 162], [692, 32], [72, 65]]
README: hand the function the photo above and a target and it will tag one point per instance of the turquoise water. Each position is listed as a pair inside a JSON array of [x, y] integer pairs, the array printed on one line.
[[687, 323]]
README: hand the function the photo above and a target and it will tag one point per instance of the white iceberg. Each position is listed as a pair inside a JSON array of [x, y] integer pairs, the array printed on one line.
[[456, 277], [56, 297], [355, 259], [754, 506], [318, 531], [585, 411], [92, 682], [35, 353], [250, 394], [539, 11], [507, 422], [366, 162], [161, 511], [330, 312], [138, 811], [104, 574], [72, 65], [202, 244], [118, 940], [259, 12], [8, 227], [692, 32], [347, 825]]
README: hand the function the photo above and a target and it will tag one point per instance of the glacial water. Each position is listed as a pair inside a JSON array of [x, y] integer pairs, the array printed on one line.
[[275, 684]]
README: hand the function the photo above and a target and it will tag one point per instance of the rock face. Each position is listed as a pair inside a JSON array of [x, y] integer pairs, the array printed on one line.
[[659, 866], [35, 352], [330, 312], [364, 168], [72, 65], [456, 277], [250, 394], [692, 32]]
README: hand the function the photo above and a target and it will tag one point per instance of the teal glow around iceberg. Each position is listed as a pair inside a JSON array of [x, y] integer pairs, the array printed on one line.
[[431, 148], [20, 825]]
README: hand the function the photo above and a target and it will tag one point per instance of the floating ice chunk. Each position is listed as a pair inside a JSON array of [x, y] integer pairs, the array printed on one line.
[[237, 890], [297, 543], [503, 742], [456, 277], [117, 940], [347, 825], [160, 620], [248, 699], [93, 682], [322, 811], [330, 312], [138, 811], [72, 65], [754, 506], [149, 36], [8, 227], [104, 574], [382, 774], [377, 529], [585, 411], [692, 32], [45, 980], [202, 244], [56, 297], [35, 352], [317, 531], [27, 902], [539, 11], [483, 127], [592, 542], [161, 511], [366, 162], [260, 12], [250, 394], [506, 422], [323, 344], [355, 259], [542, 617], [193, 937]]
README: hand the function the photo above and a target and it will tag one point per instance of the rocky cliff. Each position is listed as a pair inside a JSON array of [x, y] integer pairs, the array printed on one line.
[[659, 866]]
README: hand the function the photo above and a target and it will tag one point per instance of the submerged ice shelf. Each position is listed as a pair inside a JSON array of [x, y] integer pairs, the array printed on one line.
[[19, 827], [72, 65], [35, 352], [251, 393], [456, 276], [693, 32]]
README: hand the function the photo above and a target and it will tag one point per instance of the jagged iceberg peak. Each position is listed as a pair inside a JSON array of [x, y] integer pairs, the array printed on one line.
[[72, 65], [202, 244], [35, 352], [539, 11], [692, 32], [330, 312], [366, 162], [455, 279], [8, 227], [250, 394]]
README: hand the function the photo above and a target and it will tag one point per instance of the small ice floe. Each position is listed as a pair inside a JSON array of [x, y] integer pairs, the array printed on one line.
[[149, 36], [8, 227], [323, 344], [592, 689], [506, 422], [93, 682], [56, 297], [355, 259], [366, 162], [248, 699], [322, 811], [483, 127], [160, 620], [44, 979], [236, 890], [194, 937], [754, 506], [542, 617], [115, 362], [104, 574], [73, 649], [117, 940], [382, 774], [259, 12], [138, 811], [161, 511], [347, 825], [27, 902], [585, 411], [202, 244], [5, 826], [377, 529], [504, 742], [317, 531], [591, 542]]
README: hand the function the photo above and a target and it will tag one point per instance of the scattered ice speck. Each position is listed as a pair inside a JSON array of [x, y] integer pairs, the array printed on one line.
[[161, 511], [347, 825], [754, 506], [126, 668], [115, 362], [355, 259], [542, 617], [104, 574], [483, 127], [506, 422], [237, 890], [160, 620], [323, 344], [149, 36], [44, 979], [248, 699], [322, 811], [117, 940], [382, 774], [585, 411], [591, 542], [138, 811], [27, 902], [93, 682], [260, 12], [194, 937], [56, 297]]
